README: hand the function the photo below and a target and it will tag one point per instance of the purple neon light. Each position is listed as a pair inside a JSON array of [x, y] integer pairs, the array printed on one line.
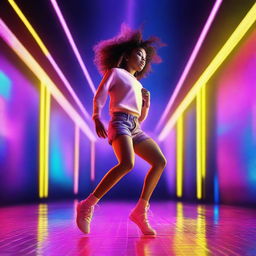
[[73, 45], [191, 59]]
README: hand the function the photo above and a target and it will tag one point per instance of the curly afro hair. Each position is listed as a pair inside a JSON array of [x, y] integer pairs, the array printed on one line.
[[110, 53]]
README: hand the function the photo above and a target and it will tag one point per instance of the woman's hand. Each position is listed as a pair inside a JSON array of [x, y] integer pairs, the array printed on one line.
[[100, 129], [145, 97]]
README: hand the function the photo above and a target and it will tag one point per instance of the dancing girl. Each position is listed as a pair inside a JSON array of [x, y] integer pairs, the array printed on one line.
[[123, 61]]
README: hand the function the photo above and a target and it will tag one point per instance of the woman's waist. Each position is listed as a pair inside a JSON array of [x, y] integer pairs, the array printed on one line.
[[126, 111]]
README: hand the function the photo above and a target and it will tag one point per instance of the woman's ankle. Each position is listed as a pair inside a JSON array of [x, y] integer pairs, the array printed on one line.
[[92, 199], [142, 203]]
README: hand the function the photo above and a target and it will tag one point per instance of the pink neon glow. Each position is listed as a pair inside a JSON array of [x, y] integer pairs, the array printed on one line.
[[92, 160], [73, 45], [76, 159], [191, 60], [235, 137]]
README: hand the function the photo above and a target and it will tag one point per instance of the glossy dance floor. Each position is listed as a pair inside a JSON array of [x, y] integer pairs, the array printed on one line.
[[183, 229]]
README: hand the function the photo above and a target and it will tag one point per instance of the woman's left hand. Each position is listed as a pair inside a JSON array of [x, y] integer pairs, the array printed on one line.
[[145, 96]]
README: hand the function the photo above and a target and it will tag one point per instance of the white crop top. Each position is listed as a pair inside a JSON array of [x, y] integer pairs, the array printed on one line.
[[124, 90]]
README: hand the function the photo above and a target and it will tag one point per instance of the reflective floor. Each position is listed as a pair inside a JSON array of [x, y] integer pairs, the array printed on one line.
[[183, 229]]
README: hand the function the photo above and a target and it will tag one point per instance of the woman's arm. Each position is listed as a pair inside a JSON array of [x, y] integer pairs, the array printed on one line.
[[145, 104], [144, 111], [101, 94]]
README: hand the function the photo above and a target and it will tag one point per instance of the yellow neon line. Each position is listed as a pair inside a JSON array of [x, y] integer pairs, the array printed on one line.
[[43, 136], [203, 132], [41, 142], [44, 140], [29, 27], [227, 48], [198, 147], [179, 155], [47, 128]]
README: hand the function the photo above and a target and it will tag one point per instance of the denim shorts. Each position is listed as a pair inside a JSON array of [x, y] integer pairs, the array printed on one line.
[[124, 123]]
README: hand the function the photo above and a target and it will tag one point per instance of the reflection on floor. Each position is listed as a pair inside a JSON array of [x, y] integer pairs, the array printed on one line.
[[183, 229]]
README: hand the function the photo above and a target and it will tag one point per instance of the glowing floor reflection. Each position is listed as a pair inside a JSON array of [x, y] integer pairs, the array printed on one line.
[[183, 229]]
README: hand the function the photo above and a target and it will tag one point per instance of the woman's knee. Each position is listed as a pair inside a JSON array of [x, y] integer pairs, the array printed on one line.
[[126, 165], [160, 162]]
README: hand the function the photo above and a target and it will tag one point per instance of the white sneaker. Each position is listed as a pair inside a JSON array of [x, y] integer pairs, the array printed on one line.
[[139, 217], [84, 215]]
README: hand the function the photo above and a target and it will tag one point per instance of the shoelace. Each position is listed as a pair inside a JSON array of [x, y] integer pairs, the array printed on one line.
[[147, 210], [145, 213], [87, 211], [151, 213]]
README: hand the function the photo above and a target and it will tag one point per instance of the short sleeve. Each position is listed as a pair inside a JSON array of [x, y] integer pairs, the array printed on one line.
[[101, 94]]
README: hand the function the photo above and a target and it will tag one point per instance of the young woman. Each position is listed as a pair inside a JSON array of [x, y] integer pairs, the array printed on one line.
[[123, 60]]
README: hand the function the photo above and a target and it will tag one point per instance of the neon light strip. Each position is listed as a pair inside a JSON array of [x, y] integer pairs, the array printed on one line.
[[76, 159], [41, 156], [201, 141], [203, 129], [27, 58], [198, 146], [92, 160], [49, 57], [227, 48], [47, 132], [179, 162], [191, 60], [44, 140], [73, 45]]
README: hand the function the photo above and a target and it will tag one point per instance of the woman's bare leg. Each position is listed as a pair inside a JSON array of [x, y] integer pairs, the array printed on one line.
[[151, 152], [123, 149]]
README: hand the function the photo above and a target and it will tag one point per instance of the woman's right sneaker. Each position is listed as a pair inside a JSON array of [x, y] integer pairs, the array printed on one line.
[[85, 210], [139, 216]]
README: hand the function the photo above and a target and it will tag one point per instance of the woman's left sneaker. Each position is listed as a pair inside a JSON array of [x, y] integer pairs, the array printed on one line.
[[139, 217]]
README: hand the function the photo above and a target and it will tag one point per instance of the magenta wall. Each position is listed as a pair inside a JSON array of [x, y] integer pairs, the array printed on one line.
[[18, 134], [236, 125]]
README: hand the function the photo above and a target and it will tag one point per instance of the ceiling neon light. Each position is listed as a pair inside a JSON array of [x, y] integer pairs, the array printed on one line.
[[73, 45]]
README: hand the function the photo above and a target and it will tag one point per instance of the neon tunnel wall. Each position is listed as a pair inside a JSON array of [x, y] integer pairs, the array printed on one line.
[[19, 144], [230, 134]]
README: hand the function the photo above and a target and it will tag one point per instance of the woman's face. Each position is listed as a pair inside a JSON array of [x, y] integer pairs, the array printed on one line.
[[137, 59]]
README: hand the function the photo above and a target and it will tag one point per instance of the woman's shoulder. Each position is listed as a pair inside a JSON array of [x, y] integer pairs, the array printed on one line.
[[109, 72], [114, 69], [117, 69]]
